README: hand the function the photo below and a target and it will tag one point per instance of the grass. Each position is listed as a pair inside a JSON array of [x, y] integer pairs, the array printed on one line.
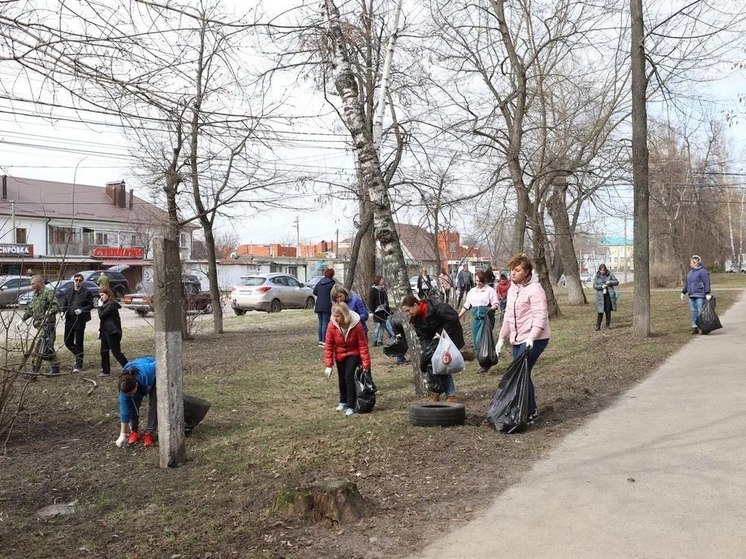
[[272, 424]]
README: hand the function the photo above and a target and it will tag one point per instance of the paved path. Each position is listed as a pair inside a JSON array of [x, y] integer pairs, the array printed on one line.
[[662, 473]]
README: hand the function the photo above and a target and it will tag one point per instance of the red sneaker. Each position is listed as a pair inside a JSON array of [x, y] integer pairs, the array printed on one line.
[[133, 438], [147, 440]]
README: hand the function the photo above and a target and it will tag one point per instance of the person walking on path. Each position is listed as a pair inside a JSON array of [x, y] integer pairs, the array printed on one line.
[[446, 286], [42, 311], [137, 381], [76, 307], [697, 287], [347, 346], [378, 300], [425, 285], [429, 319], [480, 300], [526, 323], [323, 306], [110, 331], [353, 301], [604, 283], [464, 282]]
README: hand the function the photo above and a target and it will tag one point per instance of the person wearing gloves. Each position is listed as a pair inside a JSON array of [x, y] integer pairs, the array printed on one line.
[[429, 319], [697, 287], [347, 346], [481, 300], [353, 302], [76, 308], [526, 322], [604, 283], [42, 311], [137, 381], [109, 331]]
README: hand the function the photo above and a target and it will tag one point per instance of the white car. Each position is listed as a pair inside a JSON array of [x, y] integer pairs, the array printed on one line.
[[270, 293]]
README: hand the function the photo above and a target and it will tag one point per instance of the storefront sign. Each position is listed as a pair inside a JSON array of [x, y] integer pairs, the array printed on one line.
[[17, 250], [110, 252]]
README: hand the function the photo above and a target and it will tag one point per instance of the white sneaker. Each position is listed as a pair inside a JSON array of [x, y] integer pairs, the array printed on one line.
[[341, 407], [349, 412]]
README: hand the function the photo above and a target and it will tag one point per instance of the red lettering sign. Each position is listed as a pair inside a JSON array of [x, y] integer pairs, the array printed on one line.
[[110, 252]]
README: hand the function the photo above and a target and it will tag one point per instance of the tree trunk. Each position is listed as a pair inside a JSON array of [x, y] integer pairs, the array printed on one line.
[[565, 248], [641, 307], [212, 278]]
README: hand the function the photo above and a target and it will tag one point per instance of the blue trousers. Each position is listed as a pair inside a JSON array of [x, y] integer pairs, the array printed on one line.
[[533, 354], [324, 318], [695, 307]]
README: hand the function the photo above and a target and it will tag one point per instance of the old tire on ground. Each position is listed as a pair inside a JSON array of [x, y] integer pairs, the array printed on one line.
[[443, 414], [195, 410], [275, 306]]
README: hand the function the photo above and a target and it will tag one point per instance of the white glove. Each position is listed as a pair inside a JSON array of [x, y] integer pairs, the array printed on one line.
[[328, 372], [708, 296], [100, 302], [499, 345], [529, 343], [682, 296], [78, 311], [121, 441]]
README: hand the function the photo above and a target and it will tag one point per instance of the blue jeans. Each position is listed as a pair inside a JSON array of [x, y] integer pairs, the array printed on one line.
[[695, 307], [451, 387], [378, 334], [324, 318], [533, 354]]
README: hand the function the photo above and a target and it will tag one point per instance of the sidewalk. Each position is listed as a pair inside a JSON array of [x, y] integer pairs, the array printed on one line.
[[662, 473]]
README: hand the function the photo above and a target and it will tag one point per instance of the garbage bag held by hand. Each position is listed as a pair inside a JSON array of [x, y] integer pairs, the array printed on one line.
[[447, 359], [396, 346], [486, 355], [366, 390], [708, 320], [508, 410]]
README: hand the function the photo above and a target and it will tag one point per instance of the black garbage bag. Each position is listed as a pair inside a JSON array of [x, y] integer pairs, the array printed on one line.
[[396, 346], [708, 320], [195, 410], [426, 357], [508, 410], [486, 354], [435, 383], [366, 390]]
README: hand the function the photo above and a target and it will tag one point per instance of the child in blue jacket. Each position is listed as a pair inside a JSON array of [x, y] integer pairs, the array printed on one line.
[[137, 381]]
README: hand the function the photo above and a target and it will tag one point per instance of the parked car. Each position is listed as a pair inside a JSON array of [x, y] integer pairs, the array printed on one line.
[[141, 301], [315, 279], [735, 269], [12, 287], [270, 293], [60, 289], [117, 282]]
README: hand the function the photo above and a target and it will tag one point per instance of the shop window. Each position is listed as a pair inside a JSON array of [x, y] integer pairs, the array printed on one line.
[[20, 235]]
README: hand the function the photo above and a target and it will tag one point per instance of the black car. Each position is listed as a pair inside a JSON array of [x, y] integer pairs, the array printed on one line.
[[117, 282]]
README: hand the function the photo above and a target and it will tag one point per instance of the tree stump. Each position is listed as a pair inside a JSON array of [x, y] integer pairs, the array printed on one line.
[[337, 500]]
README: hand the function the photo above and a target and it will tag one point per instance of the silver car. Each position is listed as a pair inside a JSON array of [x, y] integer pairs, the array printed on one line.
[[270, 293], [12, 287]]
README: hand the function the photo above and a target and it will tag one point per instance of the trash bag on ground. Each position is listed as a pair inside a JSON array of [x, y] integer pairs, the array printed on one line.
[[708, 320], [486, 354], [447, 359], [435, 383], [366, 390], [508, 410]]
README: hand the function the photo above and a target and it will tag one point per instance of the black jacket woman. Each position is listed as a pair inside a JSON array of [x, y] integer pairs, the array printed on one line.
[[110, 331], [378, 302], [604, 283]]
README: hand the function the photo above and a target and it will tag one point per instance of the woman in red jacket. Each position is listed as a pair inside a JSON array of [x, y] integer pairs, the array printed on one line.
[[347, 345]]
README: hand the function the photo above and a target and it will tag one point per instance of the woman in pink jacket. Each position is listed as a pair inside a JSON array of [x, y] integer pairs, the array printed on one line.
[[526, 322]]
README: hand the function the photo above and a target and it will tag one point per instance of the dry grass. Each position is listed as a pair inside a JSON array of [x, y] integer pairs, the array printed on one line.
[[272, 423]]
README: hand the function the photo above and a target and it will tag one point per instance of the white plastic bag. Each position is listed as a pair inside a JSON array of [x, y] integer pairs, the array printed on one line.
[[447, 359]]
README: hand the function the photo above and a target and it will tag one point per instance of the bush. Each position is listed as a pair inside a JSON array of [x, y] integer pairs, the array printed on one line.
[[665, 275]]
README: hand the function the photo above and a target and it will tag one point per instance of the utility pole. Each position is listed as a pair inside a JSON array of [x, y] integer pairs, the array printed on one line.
[[297, 236]]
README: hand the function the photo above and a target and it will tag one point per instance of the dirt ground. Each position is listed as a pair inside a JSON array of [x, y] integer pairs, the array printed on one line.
[[272, 425]]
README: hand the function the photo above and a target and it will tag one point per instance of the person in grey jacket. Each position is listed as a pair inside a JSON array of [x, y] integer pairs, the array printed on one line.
[[697, 286], [604, 283]]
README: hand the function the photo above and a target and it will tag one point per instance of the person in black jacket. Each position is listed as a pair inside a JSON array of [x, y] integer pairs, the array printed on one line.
[[110, 331], [429, 319], [76, 307], [378, 302], [323, 307]]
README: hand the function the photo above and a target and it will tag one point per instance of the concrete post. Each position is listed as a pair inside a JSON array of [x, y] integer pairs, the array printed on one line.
[[169, 381]]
